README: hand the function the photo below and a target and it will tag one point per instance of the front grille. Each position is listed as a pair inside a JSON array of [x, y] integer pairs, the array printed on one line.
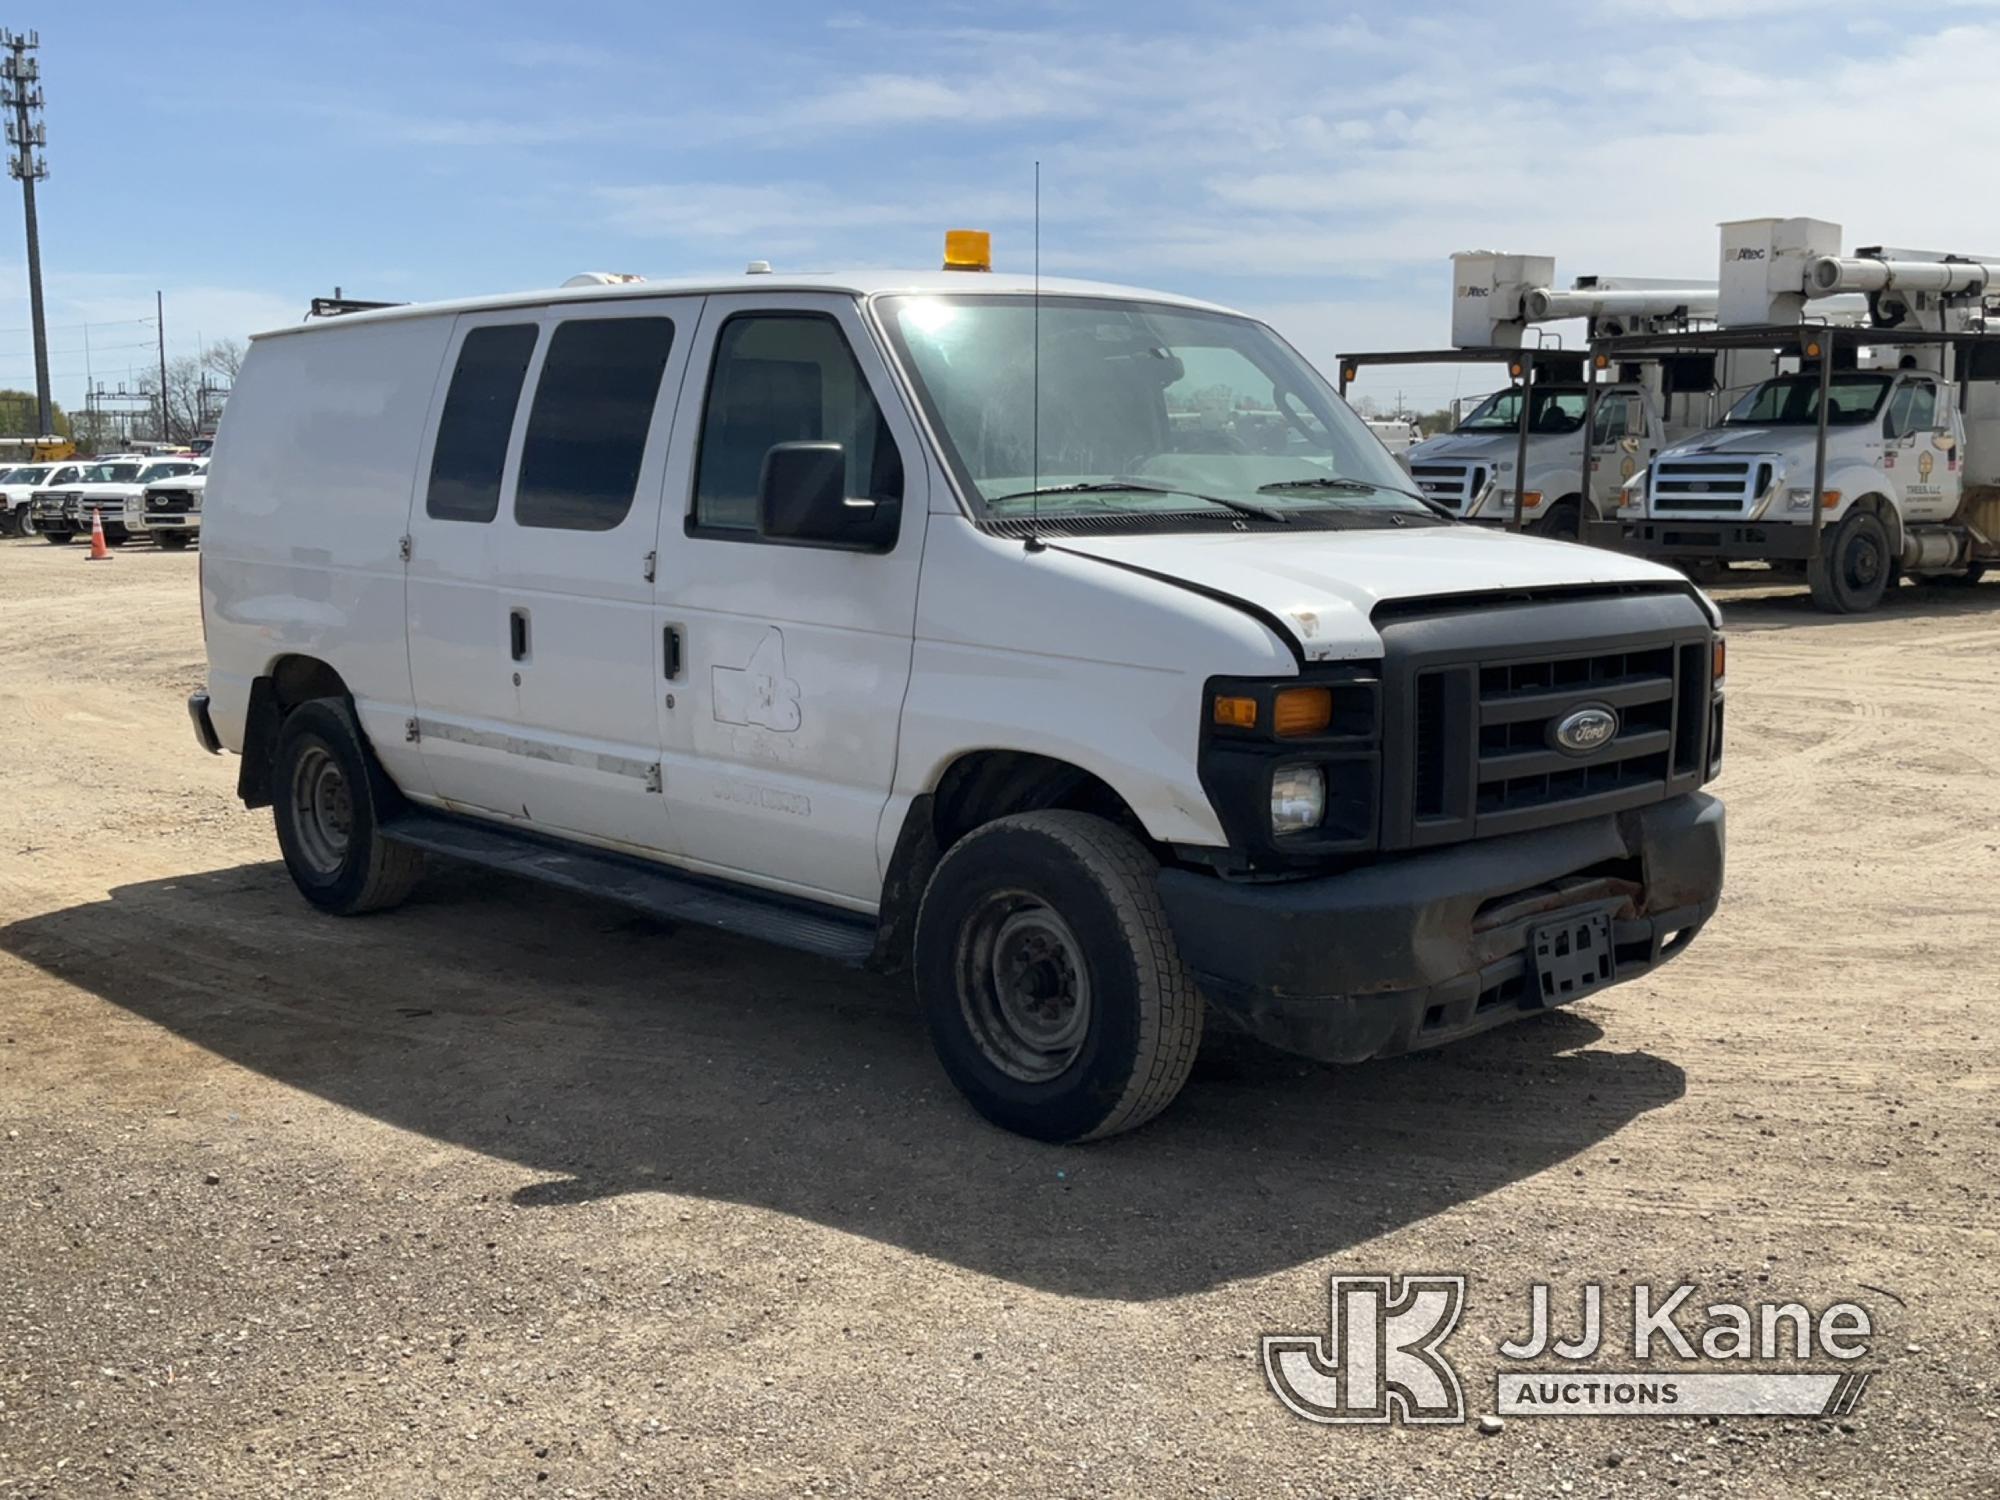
[[1453, 485], [1473, 699], [54, 504], [165, 501], [1711, 486]]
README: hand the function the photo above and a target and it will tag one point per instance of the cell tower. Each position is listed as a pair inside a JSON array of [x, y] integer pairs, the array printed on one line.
[[21, 93]]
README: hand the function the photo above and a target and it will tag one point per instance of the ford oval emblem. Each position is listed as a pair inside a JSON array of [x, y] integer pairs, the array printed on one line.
[[1585, 729]]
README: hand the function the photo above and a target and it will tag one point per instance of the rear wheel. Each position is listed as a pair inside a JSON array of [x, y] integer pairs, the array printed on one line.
[[327, 799], [1049, 979], [1857, 567], [172, 541]]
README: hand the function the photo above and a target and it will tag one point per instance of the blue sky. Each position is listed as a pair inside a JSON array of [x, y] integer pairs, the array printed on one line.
[[1312, 164]]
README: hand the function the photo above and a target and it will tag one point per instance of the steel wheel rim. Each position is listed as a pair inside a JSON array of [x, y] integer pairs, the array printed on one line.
[[322, 810], [1863, 562], [1023, 987]]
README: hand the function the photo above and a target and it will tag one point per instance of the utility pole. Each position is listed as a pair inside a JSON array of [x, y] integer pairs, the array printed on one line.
[[20, 91], [160, 322]]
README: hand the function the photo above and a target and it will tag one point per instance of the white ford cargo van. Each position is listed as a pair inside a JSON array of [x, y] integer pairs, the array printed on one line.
[[1082, 650]]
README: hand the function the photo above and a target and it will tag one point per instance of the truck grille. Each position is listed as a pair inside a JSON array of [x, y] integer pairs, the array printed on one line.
[[1453, 485], [54, 502], [1713, 486], [1476, 714], [169, 501]]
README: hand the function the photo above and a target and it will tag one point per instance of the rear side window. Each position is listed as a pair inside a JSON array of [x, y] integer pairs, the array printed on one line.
[[587, 428], [478, 419], [784, 378]]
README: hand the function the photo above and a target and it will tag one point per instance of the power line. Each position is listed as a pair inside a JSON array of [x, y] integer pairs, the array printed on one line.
[[20, 91]]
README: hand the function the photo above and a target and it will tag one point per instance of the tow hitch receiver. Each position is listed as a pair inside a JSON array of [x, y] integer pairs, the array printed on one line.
[[1573, 957]]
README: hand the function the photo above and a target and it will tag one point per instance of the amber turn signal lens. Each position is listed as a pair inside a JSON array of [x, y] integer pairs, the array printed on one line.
[[1237, 713], [1721, 658], [1297, 711]]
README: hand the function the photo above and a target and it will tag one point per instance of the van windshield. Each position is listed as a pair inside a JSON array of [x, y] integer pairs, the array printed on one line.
[[1144, 411], [1793, 401], [1552, 411]]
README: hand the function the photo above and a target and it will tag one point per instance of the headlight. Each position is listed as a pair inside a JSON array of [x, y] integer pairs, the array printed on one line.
[[1798, 499], [1298, 798]]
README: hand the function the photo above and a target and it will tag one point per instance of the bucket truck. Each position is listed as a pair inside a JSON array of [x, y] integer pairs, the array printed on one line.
[[1879, 457], [1569, 435]]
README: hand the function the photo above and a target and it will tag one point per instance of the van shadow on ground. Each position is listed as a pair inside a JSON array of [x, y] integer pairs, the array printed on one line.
[[612, 1054]]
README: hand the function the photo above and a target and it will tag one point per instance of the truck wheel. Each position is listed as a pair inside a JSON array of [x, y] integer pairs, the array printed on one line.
[[1564, 522], [172, 541], [56, 538], [326, 799], [1049, 979], [24, 521], [1854, 573]]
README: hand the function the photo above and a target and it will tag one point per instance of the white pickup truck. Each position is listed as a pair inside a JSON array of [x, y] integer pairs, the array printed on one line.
[[173, 508], [1073, 645]]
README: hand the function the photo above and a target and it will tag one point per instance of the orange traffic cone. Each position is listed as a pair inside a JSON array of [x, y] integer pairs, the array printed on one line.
[[98, 551]]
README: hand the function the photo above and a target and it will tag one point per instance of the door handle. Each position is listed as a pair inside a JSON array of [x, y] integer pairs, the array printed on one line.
[[670, 652], [517, 633]]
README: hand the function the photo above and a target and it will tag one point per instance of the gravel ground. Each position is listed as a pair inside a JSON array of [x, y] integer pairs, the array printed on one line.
[[511, 1193]]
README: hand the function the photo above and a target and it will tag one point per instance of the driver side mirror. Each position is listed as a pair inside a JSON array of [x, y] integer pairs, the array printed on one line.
[[802, 497]]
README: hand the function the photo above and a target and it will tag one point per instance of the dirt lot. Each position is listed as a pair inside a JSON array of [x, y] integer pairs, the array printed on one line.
[[509, 1193]]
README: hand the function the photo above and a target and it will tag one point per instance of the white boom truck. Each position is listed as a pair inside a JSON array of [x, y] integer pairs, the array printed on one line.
[[1893, 426], [1569, 435]]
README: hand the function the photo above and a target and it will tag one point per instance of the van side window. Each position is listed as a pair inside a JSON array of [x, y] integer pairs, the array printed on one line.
[[785, 378], [587, 428], [478, 418]]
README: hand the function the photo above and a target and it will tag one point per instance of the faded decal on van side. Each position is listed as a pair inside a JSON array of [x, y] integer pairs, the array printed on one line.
[[758, 692]]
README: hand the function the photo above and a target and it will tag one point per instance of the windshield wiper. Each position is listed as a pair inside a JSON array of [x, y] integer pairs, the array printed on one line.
[[1144, 487], [1355, 486]]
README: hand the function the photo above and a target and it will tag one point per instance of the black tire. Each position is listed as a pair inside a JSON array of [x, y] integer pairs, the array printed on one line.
[[1564, 522], [10, 520], [1051, 896], [170, 541], [56, 538], [24, 521], [1857, 567], [327, 795]]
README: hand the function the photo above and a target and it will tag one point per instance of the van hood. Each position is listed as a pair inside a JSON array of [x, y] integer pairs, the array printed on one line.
[[1319, 588]]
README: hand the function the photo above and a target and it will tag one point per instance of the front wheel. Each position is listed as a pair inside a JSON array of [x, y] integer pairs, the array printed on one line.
[[56, 538], [1049, 979], [1857, 567], [171, 541], [326, 799], [1564, 522], [24, 521]]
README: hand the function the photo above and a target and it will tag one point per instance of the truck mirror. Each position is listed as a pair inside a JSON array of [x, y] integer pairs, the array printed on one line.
[[802, 497]]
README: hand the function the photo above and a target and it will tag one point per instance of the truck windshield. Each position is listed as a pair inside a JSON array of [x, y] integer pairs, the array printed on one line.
[[164, 471], [110, 474], [23, 476], [1793, 401], [1144, 410], [1553, 411]]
